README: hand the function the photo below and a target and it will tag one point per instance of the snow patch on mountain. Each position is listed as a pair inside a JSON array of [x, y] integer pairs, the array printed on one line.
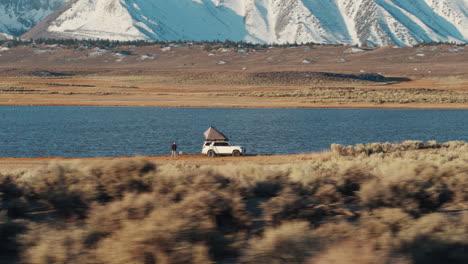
[[106, 19], [4, 36]]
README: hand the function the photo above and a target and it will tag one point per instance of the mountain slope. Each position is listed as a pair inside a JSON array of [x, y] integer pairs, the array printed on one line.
[[18, 16], [362, 22], [4, 36]]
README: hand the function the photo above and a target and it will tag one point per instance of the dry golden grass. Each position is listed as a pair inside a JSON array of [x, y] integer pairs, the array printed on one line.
[[291, 242], [190, 76], [358, 95], [401, 206], [227, 89]]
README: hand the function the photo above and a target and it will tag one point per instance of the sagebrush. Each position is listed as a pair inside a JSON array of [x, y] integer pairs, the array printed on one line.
[[399, 205]]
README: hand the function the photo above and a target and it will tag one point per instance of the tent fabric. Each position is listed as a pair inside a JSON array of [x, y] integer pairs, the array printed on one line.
[[214, 135]]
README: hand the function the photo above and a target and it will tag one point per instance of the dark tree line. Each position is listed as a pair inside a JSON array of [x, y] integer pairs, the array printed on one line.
[[208, 45], [106, 43]]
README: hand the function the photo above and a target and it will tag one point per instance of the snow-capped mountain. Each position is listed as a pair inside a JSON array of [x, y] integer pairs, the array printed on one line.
[[4, 36], [362, 22], [18, 16]]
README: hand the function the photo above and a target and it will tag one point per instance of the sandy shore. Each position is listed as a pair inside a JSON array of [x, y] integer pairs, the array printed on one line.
[[13, 164]]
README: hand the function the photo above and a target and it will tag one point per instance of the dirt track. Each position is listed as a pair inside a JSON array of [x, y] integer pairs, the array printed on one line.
[[9, 164]]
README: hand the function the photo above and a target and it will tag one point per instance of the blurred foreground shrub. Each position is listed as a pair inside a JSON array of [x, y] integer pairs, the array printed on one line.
[[395, 207]]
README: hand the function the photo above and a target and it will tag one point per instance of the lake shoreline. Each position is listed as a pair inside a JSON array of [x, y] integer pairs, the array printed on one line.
[[259, 106], [12, 163], [112, 131]]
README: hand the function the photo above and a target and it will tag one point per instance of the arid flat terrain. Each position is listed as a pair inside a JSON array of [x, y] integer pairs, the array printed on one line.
[[192, 76], [13, 164]]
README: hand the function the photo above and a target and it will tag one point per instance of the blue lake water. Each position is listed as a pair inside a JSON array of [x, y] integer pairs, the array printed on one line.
[[36, 131]]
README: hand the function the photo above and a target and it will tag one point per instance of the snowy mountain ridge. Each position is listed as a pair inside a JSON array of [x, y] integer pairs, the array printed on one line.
[[18, 16], [5, 36], [361, 22]]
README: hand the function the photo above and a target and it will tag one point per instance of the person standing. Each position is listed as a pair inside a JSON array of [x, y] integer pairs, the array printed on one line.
[[174, 149]]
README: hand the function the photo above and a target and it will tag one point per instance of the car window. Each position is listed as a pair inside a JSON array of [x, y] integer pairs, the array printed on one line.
[[207, 143], [221, 144]]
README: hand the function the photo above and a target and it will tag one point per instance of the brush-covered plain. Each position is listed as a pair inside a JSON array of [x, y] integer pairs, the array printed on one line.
[[103, 73], [376, 203]]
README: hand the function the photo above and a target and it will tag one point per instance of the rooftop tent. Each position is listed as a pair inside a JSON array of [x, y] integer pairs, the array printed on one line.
[[214, 135]]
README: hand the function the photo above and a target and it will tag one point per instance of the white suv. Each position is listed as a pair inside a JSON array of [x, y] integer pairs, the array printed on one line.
[[216, 148]]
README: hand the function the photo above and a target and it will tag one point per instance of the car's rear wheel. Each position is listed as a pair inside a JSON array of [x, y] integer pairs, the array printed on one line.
[[211, 153], [236, 153]]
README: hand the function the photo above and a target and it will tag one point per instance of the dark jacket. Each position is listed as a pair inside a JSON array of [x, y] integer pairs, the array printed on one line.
[[174, 146]]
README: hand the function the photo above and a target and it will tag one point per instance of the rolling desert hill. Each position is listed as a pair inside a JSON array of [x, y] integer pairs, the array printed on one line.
[[429, 61]]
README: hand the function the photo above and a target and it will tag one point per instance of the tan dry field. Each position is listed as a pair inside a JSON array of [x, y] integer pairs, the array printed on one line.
[[15, 164], [417, 77]]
